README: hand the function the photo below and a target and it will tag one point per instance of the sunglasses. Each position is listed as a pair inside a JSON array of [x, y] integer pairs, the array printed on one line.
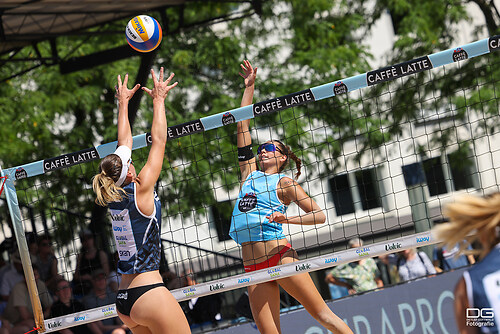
[[269, 147]]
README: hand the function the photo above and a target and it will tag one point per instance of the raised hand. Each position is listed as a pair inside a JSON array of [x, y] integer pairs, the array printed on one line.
[[160, 88], [123, 94], [249, 73]]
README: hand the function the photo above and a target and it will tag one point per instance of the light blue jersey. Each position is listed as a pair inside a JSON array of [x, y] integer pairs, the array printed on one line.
[[137, 236], [257, 199], [482, 282]]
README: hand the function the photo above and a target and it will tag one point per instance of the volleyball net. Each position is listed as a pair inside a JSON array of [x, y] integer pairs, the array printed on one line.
[[417, 133]]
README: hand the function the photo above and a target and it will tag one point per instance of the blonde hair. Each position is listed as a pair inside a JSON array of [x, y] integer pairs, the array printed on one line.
[[472, 219], [104, 183]]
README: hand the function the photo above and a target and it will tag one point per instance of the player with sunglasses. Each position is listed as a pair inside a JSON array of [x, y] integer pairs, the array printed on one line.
[[257, 219]]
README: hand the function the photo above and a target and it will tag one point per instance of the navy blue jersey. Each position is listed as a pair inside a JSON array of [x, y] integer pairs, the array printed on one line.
[[482, 282], [137, 236]]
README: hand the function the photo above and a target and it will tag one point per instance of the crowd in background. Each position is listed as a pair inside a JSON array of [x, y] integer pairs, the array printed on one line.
[[368, 274], [95, 282]]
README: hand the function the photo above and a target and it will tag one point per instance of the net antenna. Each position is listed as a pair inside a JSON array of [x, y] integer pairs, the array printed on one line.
[[69, 161], [2, 180]]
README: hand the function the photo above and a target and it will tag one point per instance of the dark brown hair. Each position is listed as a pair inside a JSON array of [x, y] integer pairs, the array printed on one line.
[[286, 150]]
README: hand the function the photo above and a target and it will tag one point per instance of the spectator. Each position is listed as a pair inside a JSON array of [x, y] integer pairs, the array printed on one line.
[[19, 311], [67, 305], [47, 261], [336, 291], [89, 260], [445, 259], [358, 276], [412, 264], [388, 270], [12, 276], [99, 296], [32, 246]]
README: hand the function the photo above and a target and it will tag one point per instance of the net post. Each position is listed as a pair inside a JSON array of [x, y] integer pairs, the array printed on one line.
[[17, 223]]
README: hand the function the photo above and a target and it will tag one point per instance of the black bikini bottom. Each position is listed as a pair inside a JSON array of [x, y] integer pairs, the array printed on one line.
[[125, 299]]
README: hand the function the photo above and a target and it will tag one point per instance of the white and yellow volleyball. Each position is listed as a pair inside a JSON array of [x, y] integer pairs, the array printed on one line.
[[143, 33]]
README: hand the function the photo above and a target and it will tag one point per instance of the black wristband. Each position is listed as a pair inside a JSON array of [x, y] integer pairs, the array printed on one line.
[[245, 153]]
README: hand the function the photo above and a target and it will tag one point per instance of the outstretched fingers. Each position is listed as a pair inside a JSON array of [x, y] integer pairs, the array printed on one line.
[[136, 87], [161, 74], [147, 90], [125, 80], [153, 76], [170, 78], [122, 91], [160, 88]]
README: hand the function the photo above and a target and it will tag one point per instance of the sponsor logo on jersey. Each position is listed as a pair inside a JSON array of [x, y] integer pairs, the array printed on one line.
[[118, 218], [248, 202]]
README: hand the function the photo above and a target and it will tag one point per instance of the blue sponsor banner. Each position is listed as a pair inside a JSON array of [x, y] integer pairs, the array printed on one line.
[[477, 48], [441, 58], [228, 117], [323, 91], [420, 306]]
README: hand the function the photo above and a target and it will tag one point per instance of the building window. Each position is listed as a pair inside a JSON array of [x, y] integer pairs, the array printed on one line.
[[463, 171], [366, 181], [222, 212], [433, 169], [447, 173], [358, 191], [342, 198]]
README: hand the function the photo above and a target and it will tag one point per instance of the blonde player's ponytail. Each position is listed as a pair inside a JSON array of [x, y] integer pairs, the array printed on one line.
[[104, 183]]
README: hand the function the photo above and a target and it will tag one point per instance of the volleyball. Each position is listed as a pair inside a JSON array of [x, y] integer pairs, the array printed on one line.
[[143, 33]]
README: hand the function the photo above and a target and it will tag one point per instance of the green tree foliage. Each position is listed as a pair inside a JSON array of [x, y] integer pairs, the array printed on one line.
[[296, 44]]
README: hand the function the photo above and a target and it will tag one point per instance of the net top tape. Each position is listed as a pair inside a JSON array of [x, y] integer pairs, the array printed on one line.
[[313, 94]]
